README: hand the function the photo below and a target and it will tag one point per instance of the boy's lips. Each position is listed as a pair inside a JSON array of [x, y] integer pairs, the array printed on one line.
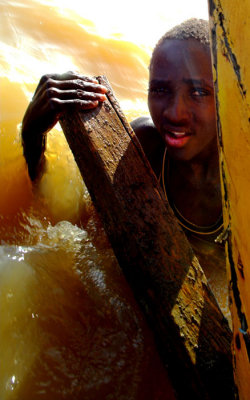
[[176, 138]]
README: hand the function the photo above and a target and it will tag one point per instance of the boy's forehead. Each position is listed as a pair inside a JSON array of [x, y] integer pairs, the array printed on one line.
[[188, 57], [173, 49]]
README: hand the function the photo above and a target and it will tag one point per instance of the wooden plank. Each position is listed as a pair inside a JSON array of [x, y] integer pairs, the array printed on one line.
[[229, 20], [191, 333]]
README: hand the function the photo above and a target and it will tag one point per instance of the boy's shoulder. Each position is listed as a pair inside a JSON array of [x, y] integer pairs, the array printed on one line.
[[142, 124], [150, 140]]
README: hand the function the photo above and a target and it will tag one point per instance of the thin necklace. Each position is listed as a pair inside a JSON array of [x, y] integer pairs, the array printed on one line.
[[202, 230]]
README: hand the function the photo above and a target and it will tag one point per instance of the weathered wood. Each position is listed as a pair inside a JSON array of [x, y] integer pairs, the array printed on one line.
[[229, 21], [191, 333]]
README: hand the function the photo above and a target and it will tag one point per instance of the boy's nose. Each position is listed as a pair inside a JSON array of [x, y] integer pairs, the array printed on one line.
[[177, 111]]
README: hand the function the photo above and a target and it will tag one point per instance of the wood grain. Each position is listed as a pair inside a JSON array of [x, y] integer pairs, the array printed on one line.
[[192, 336]]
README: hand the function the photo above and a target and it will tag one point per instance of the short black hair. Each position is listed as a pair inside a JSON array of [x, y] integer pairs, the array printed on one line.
[[193, 28]]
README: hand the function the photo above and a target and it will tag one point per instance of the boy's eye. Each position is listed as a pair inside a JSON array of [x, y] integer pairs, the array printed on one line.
[[158, 90], [199, 92]]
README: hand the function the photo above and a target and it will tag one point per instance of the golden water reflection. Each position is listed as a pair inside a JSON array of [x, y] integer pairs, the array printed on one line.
[[70, 327]]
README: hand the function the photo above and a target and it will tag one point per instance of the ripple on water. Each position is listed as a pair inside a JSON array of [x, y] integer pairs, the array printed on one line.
[[70, 327]]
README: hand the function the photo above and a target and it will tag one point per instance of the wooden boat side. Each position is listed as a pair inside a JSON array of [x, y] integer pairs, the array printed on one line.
[[230, 21]]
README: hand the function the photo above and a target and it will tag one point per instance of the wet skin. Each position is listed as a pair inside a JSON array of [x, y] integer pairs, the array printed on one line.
[[55, 94], [181, 104], [181, 99]]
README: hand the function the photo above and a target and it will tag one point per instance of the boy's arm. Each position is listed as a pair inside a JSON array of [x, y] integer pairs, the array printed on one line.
[[54, 94]]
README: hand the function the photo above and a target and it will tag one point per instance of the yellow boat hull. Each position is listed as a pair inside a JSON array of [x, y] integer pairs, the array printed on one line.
[[229, 20]]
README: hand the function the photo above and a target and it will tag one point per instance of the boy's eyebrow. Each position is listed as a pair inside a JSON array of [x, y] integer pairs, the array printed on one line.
[[159, 82], [198, 82]]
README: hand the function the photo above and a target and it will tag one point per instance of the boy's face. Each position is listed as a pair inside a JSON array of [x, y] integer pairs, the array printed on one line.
[[181, 99]]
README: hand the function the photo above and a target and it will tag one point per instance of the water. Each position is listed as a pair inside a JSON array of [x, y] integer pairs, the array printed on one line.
[[70, 328], [69, 325]]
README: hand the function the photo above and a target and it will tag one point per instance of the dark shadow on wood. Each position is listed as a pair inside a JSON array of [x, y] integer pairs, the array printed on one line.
[[157, 289], [216, 371], [152, 250]]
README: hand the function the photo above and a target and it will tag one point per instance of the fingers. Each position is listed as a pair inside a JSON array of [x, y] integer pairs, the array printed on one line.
[[71, 80], [61, 105], [57, 105], [56, 94], [70, 75], [78, 83], [70, 86], [77, 94], [59, 100]]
